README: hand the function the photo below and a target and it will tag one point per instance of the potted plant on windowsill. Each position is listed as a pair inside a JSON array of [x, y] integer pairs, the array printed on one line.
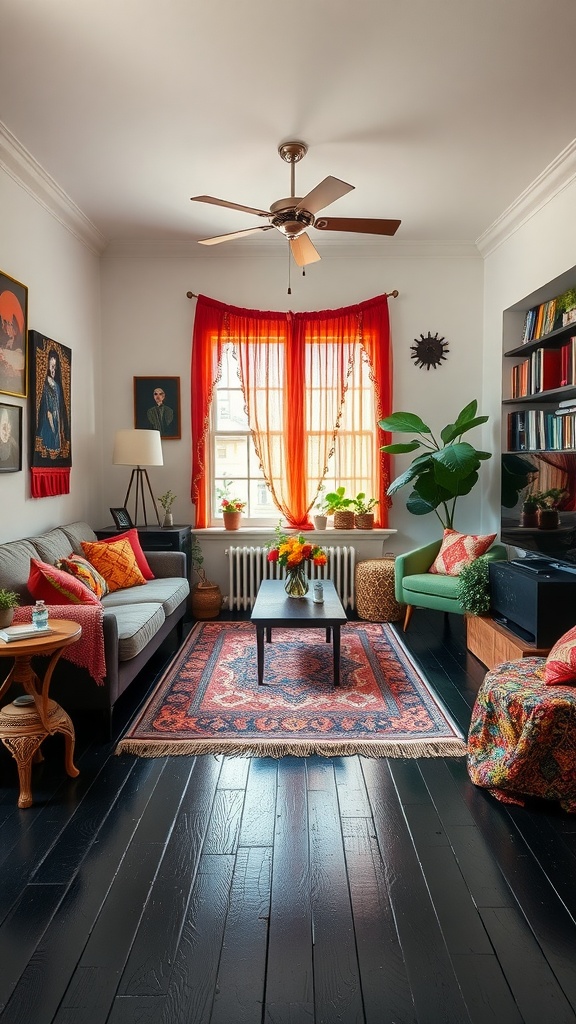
[[363, 514], [8, 602], [341, 508], [231, 508]]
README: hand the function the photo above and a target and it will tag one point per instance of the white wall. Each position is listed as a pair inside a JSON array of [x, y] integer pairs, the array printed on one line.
[[62, 276], [147, 327]]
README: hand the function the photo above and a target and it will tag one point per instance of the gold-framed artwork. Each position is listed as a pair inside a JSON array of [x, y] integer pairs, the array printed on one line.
[[13, 336]]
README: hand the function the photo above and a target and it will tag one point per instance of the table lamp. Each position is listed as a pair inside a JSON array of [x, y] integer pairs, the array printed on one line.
[[138, 448]]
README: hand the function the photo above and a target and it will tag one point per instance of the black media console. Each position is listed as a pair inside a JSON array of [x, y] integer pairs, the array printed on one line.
[[535, 600]]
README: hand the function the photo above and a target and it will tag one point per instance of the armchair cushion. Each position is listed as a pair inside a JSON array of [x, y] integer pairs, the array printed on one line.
[[458, 549]]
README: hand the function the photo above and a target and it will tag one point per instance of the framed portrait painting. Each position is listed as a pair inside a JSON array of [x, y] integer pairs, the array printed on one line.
[[10, 438], [50, 416], [157, 406], [13, 336]]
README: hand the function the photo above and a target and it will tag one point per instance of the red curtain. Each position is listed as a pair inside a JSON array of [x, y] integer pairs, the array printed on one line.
[[279, 354]]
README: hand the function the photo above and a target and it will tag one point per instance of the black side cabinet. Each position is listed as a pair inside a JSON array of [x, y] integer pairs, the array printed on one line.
[[159, 538]]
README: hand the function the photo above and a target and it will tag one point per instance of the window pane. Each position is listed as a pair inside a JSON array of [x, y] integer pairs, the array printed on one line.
[[230, 412]]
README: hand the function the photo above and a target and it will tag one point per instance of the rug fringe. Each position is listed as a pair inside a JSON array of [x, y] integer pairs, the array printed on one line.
[[275, 748]]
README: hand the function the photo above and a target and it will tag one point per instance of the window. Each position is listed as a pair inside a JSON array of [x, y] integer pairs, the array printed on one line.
[[285, 402]]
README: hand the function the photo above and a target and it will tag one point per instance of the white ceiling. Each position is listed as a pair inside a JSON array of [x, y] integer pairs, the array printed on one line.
[[440, 112]]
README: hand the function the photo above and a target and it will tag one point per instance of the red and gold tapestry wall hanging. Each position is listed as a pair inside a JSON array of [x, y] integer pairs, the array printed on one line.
[[50, 430]]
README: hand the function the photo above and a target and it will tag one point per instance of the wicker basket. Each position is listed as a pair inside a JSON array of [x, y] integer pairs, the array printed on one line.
[[364, 521], [375, 598], [343, 520], [206, 601]]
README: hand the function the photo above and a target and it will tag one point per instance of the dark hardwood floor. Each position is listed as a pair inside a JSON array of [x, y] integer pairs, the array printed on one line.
[[217, 890]]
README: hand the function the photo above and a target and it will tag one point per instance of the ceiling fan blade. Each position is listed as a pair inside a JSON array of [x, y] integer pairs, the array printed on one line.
[[303, 250], [235, 234], [325, 193], [229, 206], [363, 225]]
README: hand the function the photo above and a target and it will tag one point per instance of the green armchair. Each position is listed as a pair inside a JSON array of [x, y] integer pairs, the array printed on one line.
[[416, 587]]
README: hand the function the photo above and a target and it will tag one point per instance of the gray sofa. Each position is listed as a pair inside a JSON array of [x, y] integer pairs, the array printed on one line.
[[135, 621]]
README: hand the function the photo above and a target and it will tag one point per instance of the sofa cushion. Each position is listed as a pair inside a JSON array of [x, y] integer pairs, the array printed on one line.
[[137, 624], [51, 546], [132, 536], [433, 584], [15, 558], [560, 665], [116, 562], [84, 571], [76, 533], [458, 549], [47, 583], [168, 592]]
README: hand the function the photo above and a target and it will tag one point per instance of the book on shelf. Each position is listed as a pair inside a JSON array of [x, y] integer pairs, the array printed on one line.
[[545, 370], [23, 631]]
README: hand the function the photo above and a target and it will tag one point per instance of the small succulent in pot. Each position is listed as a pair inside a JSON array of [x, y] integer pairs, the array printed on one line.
[[8, 599]]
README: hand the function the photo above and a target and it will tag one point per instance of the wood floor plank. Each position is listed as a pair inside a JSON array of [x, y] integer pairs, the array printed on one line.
[[289, 980], [435, 990], [242, 970], [258, 814], [224, 825], [337, 986]]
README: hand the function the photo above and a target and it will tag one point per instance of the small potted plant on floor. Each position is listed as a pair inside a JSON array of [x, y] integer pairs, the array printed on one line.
[[8, 602], [206, 597], [473, 586]]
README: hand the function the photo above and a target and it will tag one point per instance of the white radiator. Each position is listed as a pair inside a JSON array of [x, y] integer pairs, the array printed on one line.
[[249, 566]]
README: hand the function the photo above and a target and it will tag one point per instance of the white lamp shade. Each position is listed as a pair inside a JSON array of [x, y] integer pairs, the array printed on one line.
[[137, 448]]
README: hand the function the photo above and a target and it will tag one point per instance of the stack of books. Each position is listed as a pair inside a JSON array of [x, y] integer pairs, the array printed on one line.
[[23, 631]]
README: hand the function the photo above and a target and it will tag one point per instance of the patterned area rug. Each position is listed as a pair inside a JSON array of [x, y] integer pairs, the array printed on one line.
[[209, 701]]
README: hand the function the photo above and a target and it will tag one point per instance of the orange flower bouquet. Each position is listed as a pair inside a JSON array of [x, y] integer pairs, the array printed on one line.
[[292, 553]]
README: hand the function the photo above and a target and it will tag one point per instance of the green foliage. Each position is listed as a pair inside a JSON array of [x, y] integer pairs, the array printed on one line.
[[167, 500], [566, 301], [446, 471], [473, 586], [362, 504], [335, 501], [8, 599]]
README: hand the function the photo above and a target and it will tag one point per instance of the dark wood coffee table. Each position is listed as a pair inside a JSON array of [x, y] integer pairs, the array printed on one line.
[[273, 609]]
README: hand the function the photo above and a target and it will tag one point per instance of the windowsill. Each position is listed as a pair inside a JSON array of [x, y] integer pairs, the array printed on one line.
[[264, 532]]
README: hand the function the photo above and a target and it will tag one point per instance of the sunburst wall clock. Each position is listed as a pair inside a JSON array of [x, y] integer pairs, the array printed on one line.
[[429, 350]]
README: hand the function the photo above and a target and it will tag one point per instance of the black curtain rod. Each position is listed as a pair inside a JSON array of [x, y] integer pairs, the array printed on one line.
[[389, 295]]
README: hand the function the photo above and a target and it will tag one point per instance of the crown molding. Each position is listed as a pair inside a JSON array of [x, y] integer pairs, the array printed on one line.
[[557, 176], [330, 249], [21, 166]]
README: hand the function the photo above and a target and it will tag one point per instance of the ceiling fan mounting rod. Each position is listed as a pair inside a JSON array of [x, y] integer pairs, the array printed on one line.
[[292, 152]]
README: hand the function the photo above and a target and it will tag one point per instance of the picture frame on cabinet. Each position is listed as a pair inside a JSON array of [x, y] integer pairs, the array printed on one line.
[[121, 518], [157, 406], [13, 336], [10, 438]]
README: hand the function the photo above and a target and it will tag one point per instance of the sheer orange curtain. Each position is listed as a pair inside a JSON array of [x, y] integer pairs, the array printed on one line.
[[294, 369]]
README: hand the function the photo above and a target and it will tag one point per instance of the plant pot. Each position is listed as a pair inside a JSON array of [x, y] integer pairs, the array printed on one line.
[[364, 521], [320, 522], [206, 601], [548, 519], [231, 520], [6, 617], [568, 317], [343, 520], [529, 519], [168, 519]]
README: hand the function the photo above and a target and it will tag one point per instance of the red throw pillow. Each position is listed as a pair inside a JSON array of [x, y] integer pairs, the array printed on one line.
[[132, 536], [560, 664], [52, 585], [459, 549]]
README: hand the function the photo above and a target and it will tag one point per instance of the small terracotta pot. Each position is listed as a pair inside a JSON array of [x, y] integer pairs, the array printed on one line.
[[231, 520]]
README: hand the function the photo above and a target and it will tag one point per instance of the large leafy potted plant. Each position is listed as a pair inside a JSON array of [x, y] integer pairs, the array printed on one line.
[[445, 471]]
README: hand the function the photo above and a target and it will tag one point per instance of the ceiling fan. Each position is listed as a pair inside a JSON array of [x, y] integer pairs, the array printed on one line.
[[294, 215]]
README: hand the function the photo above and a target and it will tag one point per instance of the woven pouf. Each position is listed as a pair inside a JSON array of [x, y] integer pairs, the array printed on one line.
[[375, 598]]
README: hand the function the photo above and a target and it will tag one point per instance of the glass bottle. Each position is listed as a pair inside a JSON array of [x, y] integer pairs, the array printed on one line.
[[40, 615]]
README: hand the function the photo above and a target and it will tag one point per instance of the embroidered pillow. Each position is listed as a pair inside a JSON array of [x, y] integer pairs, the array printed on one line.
[[116, 562], [458, 549], [132, 536], [84, 571], [560, 666], [47, 583]]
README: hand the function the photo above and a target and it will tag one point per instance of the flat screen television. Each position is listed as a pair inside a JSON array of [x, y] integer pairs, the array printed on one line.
[[525, 473]]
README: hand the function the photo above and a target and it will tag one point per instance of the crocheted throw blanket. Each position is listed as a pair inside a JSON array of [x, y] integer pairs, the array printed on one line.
[[522, 739], [88, 651]]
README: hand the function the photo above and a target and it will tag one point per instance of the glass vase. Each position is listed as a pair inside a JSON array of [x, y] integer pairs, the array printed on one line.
[[296, 582]]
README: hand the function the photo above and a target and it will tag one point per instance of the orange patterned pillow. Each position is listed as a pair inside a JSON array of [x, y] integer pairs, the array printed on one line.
[[459, 549], [116, 562], [560, 664]]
